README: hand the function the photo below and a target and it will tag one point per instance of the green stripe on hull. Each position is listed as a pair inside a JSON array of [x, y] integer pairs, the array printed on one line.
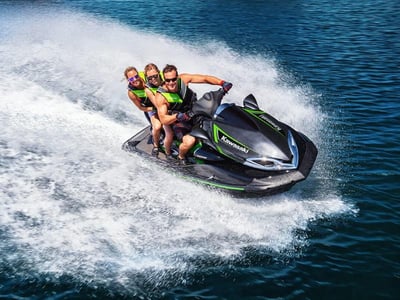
[[218, 185]]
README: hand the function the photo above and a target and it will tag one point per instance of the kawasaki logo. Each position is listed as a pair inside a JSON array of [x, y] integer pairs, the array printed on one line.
[[227, 141], [265, 118]]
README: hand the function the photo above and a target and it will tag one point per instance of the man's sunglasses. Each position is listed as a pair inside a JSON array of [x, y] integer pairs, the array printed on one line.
[[153, 77], [171, 79]]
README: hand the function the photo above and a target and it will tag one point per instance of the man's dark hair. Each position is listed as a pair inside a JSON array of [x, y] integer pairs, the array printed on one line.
[[169, 68]]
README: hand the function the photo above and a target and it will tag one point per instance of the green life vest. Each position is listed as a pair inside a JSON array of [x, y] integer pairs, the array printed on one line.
[[172, 97], [181, 100], [152, 89], [140, 93], [144, 100], [141, 74]]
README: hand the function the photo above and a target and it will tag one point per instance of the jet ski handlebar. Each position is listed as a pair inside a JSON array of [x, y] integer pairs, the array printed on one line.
[[208, 103]]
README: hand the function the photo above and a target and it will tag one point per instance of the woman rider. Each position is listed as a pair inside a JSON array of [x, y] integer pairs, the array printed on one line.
[[139, 97]]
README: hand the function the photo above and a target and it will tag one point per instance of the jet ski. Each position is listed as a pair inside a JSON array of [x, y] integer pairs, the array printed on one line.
[[240, 149]]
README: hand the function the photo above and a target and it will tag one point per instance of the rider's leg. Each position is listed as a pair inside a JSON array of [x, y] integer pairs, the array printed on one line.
[[169, 137], [188, 142]]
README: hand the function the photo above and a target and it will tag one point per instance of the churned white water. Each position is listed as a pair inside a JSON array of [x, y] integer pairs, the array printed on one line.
[[73, 203]]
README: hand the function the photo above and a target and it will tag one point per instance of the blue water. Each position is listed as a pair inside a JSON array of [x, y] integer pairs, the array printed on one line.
[[82, 219]]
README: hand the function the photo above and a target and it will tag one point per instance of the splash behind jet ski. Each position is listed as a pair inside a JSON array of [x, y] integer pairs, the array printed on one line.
[[240, 149]]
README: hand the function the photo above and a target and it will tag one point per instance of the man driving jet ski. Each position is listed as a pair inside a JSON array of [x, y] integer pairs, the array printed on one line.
[[173, 101]]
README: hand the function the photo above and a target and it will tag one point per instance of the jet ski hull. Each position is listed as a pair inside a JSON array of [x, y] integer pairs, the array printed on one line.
[[228, 175]]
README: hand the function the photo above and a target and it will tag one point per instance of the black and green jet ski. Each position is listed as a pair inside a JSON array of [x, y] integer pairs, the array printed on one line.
[[240, 149]]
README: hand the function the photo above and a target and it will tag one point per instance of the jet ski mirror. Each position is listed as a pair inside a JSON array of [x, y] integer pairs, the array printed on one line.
[[250, 102]]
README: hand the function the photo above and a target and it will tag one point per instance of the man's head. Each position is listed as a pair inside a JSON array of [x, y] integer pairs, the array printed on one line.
[[170, 78], [152, 74]]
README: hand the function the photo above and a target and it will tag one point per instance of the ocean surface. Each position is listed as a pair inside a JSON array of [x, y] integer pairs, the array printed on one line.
[[82, 219]]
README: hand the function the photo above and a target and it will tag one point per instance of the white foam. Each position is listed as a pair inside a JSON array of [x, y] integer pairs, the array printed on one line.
[[74, 203]]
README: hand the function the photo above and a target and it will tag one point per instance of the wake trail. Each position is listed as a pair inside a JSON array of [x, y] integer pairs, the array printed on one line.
[[74, 203]]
